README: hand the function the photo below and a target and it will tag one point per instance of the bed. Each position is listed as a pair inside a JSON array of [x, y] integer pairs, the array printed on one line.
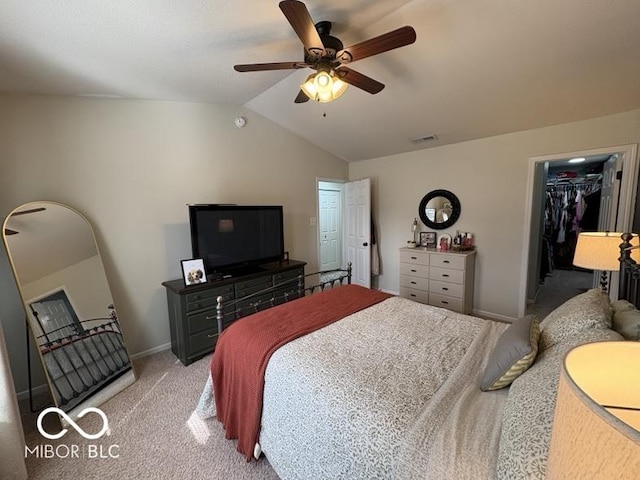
[[398, 389]]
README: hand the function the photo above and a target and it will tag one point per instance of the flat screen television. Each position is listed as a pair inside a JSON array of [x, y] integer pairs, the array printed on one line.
[[236, 239]]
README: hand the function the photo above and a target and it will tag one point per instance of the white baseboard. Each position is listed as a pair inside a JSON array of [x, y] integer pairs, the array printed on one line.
[[151, 351], [40, 389]]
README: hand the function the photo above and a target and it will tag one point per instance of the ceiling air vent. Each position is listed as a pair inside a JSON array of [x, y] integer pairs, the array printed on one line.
[[424, 138]]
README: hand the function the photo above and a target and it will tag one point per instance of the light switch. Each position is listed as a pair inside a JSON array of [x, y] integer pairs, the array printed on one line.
[[313, 221]]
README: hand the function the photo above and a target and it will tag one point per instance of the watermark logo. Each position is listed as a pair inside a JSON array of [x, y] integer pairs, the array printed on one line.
[[68, 419], [87, 451]]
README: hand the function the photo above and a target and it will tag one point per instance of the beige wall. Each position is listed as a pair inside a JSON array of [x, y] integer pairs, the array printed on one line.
[[131, 167], [489, 176]]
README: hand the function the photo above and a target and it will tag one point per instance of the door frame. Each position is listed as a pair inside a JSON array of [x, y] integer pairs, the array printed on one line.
[[626, 201]]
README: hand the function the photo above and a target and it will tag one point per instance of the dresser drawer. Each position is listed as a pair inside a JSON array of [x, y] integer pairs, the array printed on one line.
[[445, 288], [196, 322], [446, 275], [257, 303], [208, 298], [288, 275], [415, 295], [417, 256], [248, 287], [444, 301], [203, 342], [201, 295], [418, 283], [448, 261], [414, 269]]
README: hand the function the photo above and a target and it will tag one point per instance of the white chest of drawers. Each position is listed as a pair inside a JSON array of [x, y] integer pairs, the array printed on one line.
[[442, 279]]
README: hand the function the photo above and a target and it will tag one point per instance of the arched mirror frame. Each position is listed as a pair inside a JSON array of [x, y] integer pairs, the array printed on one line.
[[455, 209], [109, 373]]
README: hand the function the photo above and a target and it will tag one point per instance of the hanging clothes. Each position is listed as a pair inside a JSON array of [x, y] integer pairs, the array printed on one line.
[[569, 208]]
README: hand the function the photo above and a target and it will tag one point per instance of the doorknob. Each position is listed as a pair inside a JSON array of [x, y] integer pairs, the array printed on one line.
[[365, 244]]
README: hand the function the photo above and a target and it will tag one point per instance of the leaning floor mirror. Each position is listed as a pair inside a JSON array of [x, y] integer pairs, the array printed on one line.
[[68, 304]]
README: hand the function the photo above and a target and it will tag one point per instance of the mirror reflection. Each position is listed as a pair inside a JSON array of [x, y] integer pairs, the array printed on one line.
[[68, 304], [439, 209]]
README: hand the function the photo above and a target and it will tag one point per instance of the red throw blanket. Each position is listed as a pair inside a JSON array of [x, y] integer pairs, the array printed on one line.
[[243, 351]]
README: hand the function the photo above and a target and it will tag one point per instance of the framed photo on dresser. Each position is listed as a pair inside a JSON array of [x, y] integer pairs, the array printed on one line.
[[193, 271], [428, 239]]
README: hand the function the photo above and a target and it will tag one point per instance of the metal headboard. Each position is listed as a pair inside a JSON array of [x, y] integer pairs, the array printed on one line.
[[629, 272]]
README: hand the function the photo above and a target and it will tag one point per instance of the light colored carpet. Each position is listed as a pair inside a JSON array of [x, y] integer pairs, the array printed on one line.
[[150, 433], [559, 287]]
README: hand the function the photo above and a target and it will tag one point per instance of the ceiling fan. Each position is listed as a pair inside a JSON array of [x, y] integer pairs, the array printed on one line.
[[326, 55], [8, 231]]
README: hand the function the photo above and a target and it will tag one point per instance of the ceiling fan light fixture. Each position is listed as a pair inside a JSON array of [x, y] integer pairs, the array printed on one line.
[[323, 86]]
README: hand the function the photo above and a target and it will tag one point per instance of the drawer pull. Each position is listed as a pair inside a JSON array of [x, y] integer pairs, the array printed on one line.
[[413, 283], [412, 294], [446, 261], [212, 336], [414, 258], [445, 274], [413, 270], [445, 302], [208, 317], [445, 289]]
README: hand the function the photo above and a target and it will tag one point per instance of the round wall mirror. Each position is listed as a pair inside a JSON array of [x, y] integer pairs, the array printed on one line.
[[439, 209]]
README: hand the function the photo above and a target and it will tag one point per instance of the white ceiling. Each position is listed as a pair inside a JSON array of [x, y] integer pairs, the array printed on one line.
[[478, 68]]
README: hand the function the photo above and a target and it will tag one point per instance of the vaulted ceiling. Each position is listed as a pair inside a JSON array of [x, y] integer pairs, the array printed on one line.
[[478, 68]]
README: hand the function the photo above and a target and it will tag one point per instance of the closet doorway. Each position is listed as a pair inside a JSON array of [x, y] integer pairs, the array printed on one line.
[[566, 196]]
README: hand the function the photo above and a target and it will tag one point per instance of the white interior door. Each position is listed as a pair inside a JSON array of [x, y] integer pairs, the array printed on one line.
[[608, 215], [330, 227], [358, 230]]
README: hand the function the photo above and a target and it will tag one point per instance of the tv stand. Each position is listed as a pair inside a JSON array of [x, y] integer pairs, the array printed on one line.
[[192, 309]]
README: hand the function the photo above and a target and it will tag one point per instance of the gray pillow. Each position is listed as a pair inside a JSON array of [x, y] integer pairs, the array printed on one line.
[[591, 309], [627, 324], [527, 417], [514, 352]]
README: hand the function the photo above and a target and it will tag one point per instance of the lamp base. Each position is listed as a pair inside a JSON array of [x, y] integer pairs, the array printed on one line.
[[604, 281]]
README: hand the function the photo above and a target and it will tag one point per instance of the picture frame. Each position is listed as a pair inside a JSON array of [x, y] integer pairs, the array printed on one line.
[[193, 271], [445, 242], [428, 239]]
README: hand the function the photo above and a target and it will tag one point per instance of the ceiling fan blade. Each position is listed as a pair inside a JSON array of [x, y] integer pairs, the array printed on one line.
[[301, 98], [8, 231], [359, 80], [382, 43], [32, 210], [257, 67], [301, 22]]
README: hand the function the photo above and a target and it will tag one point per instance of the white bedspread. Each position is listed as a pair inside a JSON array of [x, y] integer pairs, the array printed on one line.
[[389, 392]]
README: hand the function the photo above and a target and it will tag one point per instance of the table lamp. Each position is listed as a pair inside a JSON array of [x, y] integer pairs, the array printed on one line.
[[598, 251], [596, 428]]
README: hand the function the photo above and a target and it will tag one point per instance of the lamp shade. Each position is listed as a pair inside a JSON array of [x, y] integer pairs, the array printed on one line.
[[598, 251], [596, 428]]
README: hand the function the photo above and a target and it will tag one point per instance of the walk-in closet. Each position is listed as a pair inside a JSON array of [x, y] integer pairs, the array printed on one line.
[[573, 202]]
